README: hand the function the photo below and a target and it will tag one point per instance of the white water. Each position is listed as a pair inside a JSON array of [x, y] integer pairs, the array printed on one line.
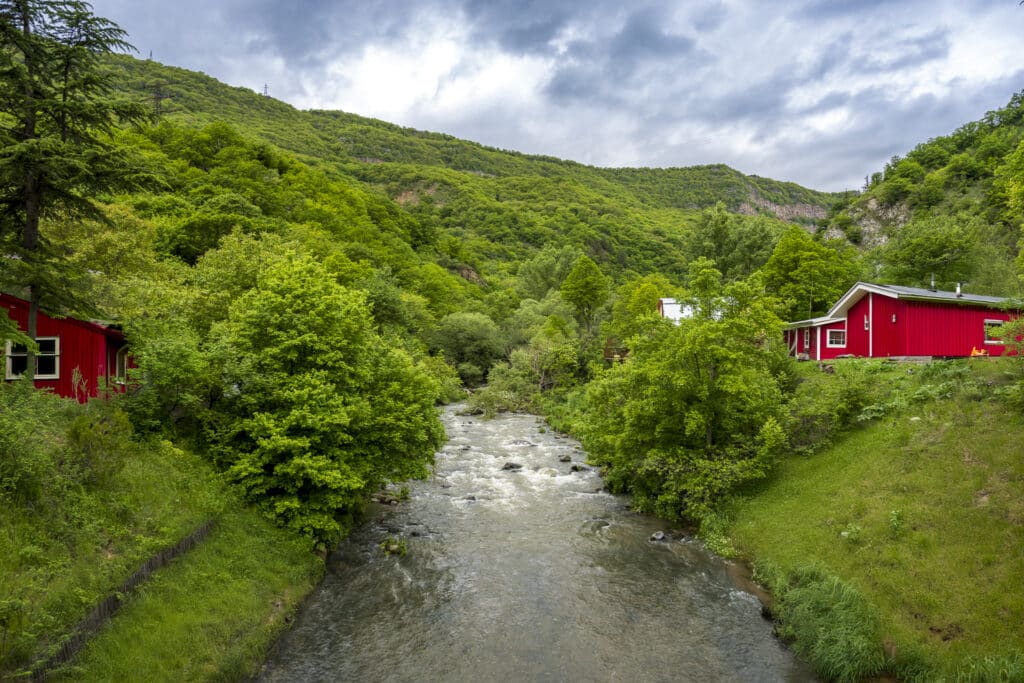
[[526, 575]]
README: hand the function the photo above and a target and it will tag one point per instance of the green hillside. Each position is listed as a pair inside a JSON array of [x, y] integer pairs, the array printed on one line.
[[460, 175], [950, 207]]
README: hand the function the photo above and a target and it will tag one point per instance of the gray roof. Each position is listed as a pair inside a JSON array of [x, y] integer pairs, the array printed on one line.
[[938, 295]]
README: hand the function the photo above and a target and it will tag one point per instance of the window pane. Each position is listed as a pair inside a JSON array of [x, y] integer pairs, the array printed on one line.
[[47, 347], [46, 365], [18, 365], [18, 350]]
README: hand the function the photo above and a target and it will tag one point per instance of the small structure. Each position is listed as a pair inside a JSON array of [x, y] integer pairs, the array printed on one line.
[[887, 321], [673, 310], [98, 352]]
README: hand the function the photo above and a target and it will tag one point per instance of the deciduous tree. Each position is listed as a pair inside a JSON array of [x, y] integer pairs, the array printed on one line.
[[696, 409], [317, 411]]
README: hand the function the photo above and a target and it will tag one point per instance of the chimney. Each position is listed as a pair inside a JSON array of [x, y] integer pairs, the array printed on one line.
[[933, 283], [958, 294]]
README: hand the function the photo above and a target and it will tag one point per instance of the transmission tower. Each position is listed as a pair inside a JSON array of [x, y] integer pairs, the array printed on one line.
[[158, 95]]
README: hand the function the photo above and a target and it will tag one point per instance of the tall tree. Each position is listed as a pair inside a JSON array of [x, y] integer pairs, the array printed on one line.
[[56, 117], [586, 288], [808, 274]]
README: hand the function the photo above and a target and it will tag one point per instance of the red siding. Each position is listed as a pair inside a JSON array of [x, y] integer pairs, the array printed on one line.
[[830, 352], [856, 336], [948, 330], [886, 337], [88, 347]]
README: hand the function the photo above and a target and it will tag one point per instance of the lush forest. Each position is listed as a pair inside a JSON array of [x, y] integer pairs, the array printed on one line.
[[301, 288]]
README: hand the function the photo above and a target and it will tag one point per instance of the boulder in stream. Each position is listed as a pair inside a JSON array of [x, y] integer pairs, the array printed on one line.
[[659, 536], [565, 458], [511, 466]]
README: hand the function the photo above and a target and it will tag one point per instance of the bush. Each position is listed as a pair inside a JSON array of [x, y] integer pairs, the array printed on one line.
[[824, 405]]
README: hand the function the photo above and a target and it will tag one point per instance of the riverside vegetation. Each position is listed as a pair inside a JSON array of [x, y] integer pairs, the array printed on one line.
[[302, 288]]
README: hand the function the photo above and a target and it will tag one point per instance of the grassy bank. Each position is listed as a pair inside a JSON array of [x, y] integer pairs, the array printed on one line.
[[85, 504], [212, 613], [920, 511]]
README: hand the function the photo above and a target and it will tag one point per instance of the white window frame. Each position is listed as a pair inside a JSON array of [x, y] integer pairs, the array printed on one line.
[[807, 338], [832, 345], [121, 365], [10, 354], [993, 323]]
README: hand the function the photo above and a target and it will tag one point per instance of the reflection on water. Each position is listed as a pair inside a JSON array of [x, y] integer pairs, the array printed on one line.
[[524, 574]]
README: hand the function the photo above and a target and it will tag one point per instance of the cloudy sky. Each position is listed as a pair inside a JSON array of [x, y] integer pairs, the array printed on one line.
[[820, 92]]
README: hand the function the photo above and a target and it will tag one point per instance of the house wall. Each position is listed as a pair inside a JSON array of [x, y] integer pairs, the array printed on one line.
[[830, 352], [947, 330], [888, 336], [857, 338], [83, 345]]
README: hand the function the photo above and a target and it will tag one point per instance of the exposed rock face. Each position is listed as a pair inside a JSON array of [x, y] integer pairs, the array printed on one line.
[[875, 220], [787, 212]]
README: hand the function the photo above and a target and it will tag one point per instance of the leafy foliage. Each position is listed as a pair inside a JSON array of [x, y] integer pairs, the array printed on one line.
[[695, 411], [317, 412], [809, 276]]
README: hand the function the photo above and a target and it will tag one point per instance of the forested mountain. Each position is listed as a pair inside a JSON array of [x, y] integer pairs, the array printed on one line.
[[496, 203]]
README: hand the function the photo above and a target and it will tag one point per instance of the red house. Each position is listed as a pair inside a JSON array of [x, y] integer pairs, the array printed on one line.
[[98, 352], [885, 321]]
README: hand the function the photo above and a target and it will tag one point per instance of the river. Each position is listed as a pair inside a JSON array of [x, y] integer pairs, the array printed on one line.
[[524, 574]]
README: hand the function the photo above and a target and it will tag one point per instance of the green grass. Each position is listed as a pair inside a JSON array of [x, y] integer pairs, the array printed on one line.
[[209, 615], [921, 512], [85, 504]]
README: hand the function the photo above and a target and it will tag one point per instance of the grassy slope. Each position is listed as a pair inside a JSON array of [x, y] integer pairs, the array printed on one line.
[[212, 613], [922, 511], [85, 505]]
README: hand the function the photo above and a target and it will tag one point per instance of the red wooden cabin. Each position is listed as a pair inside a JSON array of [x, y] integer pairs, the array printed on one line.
[[97, 351], [885, 321]]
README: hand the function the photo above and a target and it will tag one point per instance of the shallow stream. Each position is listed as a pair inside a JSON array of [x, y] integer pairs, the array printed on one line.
[[525, 574]]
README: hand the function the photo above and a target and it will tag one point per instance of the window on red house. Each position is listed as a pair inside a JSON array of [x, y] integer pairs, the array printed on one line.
[[47, 359], [837, 338], [992, 330], [121, 366]]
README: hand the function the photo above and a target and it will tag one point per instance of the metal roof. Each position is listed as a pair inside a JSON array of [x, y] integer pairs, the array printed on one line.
[[938, 295]]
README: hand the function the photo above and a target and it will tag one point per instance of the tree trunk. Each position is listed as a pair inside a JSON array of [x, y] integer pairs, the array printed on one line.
[[709, 427]]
